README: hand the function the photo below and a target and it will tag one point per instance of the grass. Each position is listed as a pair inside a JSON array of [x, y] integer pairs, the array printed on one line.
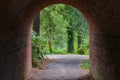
[[85, 64]]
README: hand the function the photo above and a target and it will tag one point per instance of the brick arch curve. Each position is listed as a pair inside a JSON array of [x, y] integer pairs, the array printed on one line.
[[37, 6], [16, 18]]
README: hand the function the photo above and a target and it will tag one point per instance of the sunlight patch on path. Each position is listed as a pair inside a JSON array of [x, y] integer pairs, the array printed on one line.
[[69, 56]]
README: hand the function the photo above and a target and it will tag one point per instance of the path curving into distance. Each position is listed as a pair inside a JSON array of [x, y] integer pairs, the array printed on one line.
[[65, 67]]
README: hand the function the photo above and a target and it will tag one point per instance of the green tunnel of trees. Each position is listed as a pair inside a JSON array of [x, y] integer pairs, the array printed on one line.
[[60, 29]]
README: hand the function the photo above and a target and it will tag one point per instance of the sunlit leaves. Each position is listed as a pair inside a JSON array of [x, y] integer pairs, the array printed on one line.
[[57, 18]]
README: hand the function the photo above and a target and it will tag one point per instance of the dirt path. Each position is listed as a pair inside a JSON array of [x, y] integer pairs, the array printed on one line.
[[65, 67]]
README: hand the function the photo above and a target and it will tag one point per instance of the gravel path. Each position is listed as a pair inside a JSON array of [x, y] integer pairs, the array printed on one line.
[[65, 67]]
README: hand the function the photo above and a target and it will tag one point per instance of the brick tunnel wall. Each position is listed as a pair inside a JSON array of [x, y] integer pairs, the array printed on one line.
[[16, 17]]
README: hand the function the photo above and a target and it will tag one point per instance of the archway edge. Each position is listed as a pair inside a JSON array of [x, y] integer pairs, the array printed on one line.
[[103, 17], [81, 5]]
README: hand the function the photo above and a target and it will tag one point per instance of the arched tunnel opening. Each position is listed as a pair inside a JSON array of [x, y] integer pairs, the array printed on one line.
[[61, 33], [15, 36]]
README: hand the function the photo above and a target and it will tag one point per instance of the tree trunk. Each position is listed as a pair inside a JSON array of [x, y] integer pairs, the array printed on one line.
[[79, 39], [36, 24], [70, 41], [49, 36], [50, 42]]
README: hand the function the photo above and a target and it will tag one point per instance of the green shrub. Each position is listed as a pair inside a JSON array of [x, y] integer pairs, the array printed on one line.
[[85, 64], [59, 50], [84, 48], [81, 51], [38, 50]]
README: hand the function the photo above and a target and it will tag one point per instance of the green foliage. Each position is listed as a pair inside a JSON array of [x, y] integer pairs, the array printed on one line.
[[84, 49], [85, 64], [54, 22], [59, 50], [38, 50], [81, 51]]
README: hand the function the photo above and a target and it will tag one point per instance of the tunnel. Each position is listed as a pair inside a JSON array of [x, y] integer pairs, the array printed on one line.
[[17, 16]]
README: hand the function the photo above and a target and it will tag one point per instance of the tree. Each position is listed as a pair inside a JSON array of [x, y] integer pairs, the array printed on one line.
[[59, 24], [36, 24], [70, 42], [79, 40], [47, 24]]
